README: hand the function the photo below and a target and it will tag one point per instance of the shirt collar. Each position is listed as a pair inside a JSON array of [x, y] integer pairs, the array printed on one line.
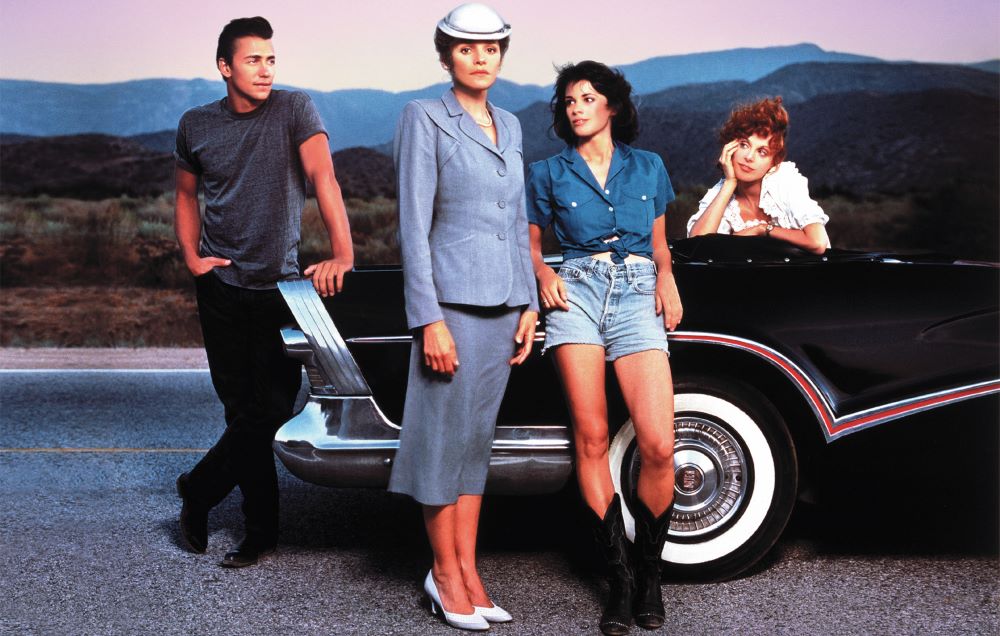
[[619, 159], [622, 153]]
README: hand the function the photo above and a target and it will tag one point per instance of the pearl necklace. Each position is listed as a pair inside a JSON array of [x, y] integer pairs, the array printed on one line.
[[488, 123]]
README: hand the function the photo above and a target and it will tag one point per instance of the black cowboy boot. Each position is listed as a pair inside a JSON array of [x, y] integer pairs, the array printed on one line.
[[650, 535], [609, 532]]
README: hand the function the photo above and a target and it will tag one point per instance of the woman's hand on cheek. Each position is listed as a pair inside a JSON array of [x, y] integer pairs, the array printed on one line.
[[726, 160]]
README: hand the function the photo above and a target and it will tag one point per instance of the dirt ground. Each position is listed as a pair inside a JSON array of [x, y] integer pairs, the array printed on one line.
[[119, 317], [102, 358]]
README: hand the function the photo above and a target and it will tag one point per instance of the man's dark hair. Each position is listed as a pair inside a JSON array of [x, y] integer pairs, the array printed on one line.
[[241, 28], [606, 81], [444, 43]]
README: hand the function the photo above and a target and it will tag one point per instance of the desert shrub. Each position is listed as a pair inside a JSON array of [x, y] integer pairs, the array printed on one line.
[[121, 241], [681, 209], [125, 241], [374, 228]]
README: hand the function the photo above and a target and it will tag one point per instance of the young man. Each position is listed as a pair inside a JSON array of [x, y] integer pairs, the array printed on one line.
[[251, 152]]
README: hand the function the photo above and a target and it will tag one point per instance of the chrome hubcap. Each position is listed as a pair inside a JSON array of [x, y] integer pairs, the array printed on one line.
[[711, 476]]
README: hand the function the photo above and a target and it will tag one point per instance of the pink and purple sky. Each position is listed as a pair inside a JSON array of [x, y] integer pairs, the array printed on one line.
[[386, 44]]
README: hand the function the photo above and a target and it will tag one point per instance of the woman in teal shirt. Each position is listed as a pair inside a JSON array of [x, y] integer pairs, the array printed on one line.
[[613, 299]]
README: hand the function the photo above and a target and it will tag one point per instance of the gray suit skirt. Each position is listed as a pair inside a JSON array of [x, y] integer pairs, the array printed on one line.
[[448, 423]]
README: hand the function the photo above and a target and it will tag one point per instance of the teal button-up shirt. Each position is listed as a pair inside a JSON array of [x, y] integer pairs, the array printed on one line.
[[590, 219]]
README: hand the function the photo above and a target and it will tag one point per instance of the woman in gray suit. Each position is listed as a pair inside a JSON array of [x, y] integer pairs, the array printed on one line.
[[470, 299]]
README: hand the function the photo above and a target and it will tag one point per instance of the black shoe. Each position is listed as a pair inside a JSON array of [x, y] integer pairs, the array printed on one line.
[[194, 519], [650, 535], [616, 616], [248, 552]]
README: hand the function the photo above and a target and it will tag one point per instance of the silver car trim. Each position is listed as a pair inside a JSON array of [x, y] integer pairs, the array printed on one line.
[[331, 355], [539, 337], [834, 426]]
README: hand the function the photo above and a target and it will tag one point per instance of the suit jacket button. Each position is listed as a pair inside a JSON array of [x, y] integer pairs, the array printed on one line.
[[502, 204], [502, 236], [502, 172]]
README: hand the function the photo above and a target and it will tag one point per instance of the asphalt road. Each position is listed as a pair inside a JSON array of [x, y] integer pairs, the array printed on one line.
[[88, 543]]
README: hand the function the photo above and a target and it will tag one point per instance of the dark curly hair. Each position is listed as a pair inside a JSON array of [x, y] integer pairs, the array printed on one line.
[[764, 118], [606, 81], [444, 43]]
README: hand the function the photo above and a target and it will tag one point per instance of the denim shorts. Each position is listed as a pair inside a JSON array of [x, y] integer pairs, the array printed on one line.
[[613, 306]]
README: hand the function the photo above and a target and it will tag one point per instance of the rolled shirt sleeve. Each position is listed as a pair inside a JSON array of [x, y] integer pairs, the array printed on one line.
[[539, 194], [183, 156], [803, 209], [306, 121], [664, 189]]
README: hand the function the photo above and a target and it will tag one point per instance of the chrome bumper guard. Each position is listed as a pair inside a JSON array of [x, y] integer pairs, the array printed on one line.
[[342, 439]]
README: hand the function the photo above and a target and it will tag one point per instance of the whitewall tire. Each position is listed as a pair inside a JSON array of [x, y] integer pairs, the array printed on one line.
[[735, 478]]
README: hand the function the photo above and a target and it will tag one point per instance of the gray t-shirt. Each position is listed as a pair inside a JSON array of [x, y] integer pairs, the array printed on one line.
[[254, 186]]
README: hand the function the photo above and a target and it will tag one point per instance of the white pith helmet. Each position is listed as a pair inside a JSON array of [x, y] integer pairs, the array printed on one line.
[[474, 21]]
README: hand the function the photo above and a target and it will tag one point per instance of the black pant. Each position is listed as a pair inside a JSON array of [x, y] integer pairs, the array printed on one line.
[[257, 384]]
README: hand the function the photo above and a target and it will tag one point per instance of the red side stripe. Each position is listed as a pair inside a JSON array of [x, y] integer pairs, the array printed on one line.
[[832, 426]]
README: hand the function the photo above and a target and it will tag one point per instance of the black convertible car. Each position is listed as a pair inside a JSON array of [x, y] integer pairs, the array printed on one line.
[[779, 351]]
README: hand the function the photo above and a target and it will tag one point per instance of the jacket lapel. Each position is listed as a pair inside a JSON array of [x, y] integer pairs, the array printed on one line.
[[468, 126], [503, 133]]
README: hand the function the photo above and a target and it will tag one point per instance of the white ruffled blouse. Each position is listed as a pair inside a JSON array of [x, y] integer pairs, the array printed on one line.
[[784, 196]]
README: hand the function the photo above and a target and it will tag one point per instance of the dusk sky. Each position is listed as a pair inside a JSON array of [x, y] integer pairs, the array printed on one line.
[[386, 44]]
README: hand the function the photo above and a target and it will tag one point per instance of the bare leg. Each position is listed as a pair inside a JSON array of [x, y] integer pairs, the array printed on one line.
[[647, 387], [466, 529], [581, 368], [447, 571]]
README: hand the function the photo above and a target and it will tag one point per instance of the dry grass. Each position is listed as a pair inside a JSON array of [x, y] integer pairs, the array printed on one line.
[[130, 242], [374, 230], [108, 273], [47, 241], [98, 317]]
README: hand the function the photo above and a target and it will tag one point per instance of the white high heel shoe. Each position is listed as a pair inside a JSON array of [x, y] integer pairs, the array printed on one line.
[[472, 621], [495, 614]]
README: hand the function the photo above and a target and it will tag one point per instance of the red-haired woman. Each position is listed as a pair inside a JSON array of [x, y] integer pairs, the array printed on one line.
[[760, 193]]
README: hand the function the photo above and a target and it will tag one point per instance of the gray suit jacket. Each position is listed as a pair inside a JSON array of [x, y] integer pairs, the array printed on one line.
[[463, 229]]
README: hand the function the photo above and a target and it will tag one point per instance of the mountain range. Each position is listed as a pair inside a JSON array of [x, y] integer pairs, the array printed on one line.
[[920, 142], [859, 125], [363, 117], [848, 106], [856, 127]]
